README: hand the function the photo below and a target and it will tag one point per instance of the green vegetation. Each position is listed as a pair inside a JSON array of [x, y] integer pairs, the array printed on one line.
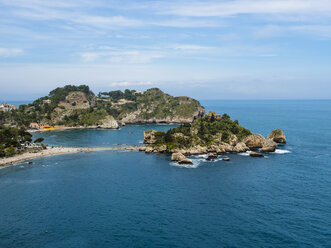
[[11, 139], [78, 106], [152, 103], [204, 131]]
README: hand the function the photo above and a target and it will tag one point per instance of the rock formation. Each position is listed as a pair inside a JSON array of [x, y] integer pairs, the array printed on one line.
[[254, 141], [278, 136], [180, 158], [256, 154], [269, 146], [240, 147], [109, 123]]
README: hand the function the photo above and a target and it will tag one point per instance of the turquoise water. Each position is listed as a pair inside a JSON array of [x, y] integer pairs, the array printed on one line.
[[130, 199]]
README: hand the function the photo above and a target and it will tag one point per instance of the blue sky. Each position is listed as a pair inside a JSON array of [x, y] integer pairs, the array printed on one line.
[[238, 49]]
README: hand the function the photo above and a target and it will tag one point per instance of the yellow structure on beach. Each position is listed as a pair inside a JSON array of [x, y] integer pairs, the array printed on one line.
[[46, 127]]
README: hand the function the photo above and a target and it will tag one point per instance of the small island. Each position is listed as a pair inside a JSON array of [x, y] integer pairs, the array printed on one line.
[[213, 135]]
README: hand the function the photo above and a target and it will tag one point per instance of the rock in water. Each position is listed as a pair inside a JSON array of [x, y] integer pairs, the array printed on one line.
[[278, 136], [240, 147], [256, 154], [269, 146], [142, 149], [226, 159], [180, 158], [254, 141], [212, 156]]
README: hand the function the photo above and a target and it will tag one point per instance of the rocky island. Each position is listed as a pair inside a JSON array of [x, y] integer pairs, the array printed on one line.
[[210, 135]]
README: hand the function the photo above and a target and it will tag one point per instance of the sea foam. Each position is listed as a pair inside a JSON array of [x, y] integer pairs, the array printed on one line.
[[279, 151]]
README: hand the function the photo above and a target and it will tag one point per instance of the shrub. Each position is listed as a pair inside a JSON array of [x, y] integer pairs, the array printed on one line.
[[10, 151]]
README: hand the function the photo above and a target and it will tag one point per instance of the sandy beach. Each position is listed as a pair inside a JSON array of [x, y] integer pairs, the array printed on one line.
[[51, 151]]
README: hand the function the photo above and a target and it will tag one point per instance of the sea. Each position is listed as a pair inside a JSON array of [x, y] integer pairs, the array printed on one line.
[[132, 199]]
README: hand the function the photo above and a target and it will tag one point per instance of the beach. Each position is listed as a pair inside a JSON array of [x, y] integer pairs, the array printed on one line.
[[51, 151]]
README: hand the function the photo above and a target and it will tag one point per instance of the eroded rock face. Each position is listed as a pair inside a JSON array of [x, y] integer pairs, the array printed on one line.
[[149, 150], [233, 140], [225, 147], [240, 147], [216, 149], [160, 149], [180, 158], [254, 141], [149, 137], [269, 146], [109, 123], [256, 154], [196, 150], [277, 136]]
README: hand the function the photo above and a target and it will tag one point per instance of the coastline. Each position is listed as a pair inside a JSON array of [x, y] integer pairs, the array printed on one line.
[[52, 151]]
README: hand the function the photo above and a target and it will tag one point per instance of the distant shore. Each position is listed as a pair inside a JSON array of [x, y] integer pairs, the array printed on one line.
[[51, 151]]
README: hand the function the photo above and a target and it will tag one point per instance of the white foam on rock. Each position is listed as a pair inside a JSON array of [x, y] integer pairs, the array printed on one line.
[[279, 151], [244, 153]]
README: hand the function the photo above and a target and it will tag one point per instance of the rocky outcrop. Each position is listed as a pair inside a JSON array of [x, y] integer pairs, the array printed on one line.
[[233, 140], [225, 147], [212, 156], [254, 141], [180, 158], [109, 123], [160, 149], [216, 149], [149, 137], [226, 159], [269, 146], [196, 150], [240, 147], [256, 154], [277, 136]]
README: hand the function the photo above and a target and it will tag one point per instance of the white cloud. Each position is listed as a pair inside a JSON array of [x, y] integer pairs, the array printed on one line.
[[128, 57], [236, 7], [191, 47], [127, 84], [10, 52]]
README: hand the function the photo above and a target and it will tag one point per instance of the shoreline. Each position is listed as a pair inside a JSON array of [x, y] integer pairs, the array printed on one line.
[[52, 151]]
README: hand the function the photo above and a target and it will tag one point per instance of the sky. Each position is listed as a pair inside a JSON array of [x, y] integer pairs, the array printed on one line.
[[207, 49]]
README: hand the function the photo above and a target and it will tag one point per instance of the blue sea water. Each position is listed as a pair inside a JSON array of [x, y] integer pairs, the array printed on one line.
[[131, 199]]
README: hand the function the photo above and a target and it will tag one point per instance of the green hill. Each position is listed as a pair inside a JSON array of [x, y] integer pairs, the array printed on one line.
[[79, 106]]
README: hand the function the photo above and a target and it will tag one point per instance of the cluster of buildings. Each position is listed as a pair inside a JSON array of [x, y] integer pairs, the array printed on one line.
[[5, 107]]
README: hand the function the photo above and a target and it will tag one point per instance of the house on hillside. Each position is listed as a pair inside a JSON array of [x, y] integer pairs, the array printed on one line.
[[212, 113], [5, 107], [34, 125]]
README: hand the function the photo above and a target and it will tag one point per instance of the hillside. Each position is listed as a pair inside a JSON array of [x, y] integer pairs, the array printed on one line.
[[73, 106], [151, 106]]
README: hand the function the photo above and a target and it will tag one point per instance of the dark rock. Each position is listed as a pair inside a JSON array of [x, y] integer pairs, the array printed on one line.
[[256, 154]]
